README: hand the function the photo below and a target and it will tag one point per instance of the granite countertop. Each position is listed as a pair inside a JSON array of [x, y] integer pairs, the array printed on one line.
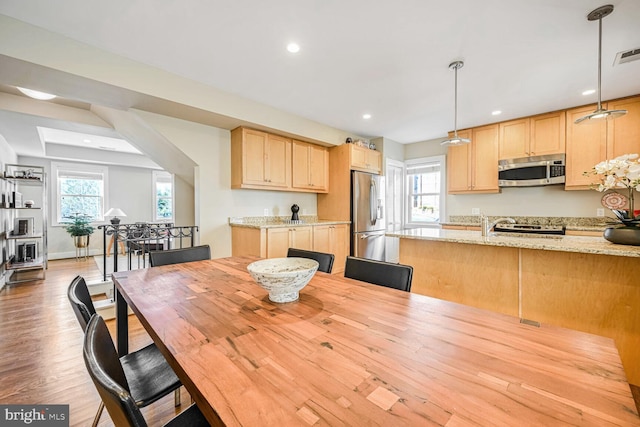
[[579, 244], [278, 222], [571, 223]]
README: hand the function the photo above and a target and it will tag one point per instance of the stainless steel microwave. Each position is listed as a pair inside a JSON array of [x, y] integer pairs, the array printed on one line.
[[532, 171]]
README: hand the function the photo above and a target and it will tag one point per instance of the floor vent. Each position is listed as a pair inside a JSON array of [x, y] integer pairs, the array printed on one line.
[[627, 56]]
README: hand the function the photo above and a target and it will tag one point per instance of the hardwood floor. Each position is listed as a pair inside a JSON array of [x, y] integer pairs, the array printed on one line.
[[41, 348]]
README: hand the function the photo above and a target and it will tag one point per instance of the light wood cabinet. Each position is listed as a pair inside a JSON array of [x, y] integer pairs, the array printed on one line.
[[532, 136], [279, 240], [459, 165], [586, 147], [365, 159], [274, 242], [310, 168], [332, 239], [514, 139], [473, 168], [623, 133], [547, 134], [590, 143], [260, 160], [336, 204]]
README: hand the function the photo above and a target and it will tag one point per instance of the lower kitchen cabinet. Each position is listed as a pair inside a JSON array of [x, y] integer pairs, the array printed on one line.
[[273, 242], [279, 240], [332, 239]]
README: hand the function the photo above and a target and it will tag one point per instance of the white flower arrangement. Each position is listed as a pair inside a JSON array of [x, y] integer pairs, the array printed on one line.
[[623, 172]]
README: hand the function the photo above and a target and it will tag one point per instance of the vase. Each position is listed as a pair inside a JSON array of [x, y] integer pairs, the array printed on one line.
[[623, 235], [81, 241]]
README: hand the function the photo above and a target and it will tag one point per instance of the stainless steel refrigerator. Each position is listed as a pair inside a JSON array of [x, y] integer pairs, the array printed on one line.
[[367, 216]]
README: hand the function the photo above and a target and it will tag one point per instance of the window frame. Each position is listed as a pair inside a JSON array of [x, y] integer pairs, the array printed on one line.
[[156, 177], [441, 159], [56, 167]]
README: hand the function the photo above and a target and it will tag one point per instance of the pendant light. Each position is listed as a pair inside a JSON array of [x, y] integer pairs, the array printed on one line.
[[455, 140], [600, 112]]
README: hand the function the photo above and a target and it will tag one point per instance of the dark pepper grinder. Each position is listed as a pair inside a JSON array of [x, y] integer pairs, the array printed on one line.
[[295, 209]]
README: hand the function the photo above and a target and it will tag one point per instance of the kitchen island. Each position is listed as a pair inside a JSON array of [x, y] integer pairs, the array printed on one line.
[[578, 282]]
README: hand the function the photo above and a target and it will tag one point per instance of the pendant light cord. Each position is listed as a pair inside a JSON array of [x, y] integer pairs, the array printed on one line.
[[600, 63], [455, 103]]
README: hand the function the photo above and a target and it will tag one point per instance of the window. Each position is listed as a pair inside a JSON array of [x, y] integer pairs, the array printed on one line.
[[425, 191], [79, 190], [162, 196]]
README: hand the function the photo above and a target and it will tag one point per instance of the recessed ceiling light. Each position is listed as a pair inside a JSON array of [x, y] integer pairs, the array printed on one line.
[[366, 116], [293, 47], [36, 94], [589, 92], [496, 113]]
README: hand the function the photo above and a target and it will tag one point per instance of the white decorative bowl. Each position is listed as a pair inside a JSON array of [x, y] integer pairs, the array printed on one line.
[[283, 277]]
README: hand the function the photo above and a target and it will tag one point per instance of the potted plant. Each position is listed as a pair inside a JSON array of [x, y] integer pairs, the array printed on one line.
[[80, 229]]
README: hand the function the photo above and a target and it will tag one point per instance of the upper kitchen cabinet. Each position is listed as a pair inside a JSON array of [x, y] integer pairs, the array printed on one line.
[[547, 134], [473, 168], [586, 147], [310, 169], [532, 136], [590, 143], [514, 139], [623, 133], [260, 160], [365, 159]]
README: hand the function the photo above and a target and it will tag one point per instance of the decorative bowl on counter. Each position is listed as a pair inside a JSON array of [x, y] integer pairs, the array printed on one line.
[[283, 278]]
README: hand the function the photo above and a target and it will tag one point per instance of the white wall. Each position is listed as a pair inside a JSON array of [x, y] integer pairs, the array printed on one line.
[[215, 201], [130, 189], [551, 200], [390, 150], [534, 201]]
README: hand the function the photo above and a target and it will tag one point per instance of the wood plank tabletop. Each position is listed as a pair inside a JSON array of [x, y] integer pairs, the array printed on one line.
[[351, 353]]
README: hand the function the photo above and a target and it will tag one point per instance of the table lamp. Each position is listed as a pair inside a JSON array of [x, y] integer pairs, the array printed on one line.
[[115, 213]]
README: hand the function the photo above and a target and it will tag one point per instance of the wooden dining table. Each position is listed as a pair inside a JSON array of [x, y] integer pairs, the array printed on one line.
[[349, 353]]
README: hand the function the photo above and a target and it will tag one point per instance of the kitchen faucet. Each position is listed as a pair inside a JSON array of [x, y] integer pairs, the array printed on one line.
[[487, 227]]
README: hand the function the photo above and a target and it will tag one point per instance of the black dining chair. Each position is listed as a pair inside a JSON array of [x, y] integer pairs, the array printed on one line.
[[147, 371], [115, 387], [178, 256], [325, 260], [390, 275]]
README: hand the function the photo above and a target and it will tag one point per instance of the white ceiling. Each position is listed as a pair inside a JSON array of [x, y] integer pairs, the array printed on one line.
[[77, 139], [386, 58]]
